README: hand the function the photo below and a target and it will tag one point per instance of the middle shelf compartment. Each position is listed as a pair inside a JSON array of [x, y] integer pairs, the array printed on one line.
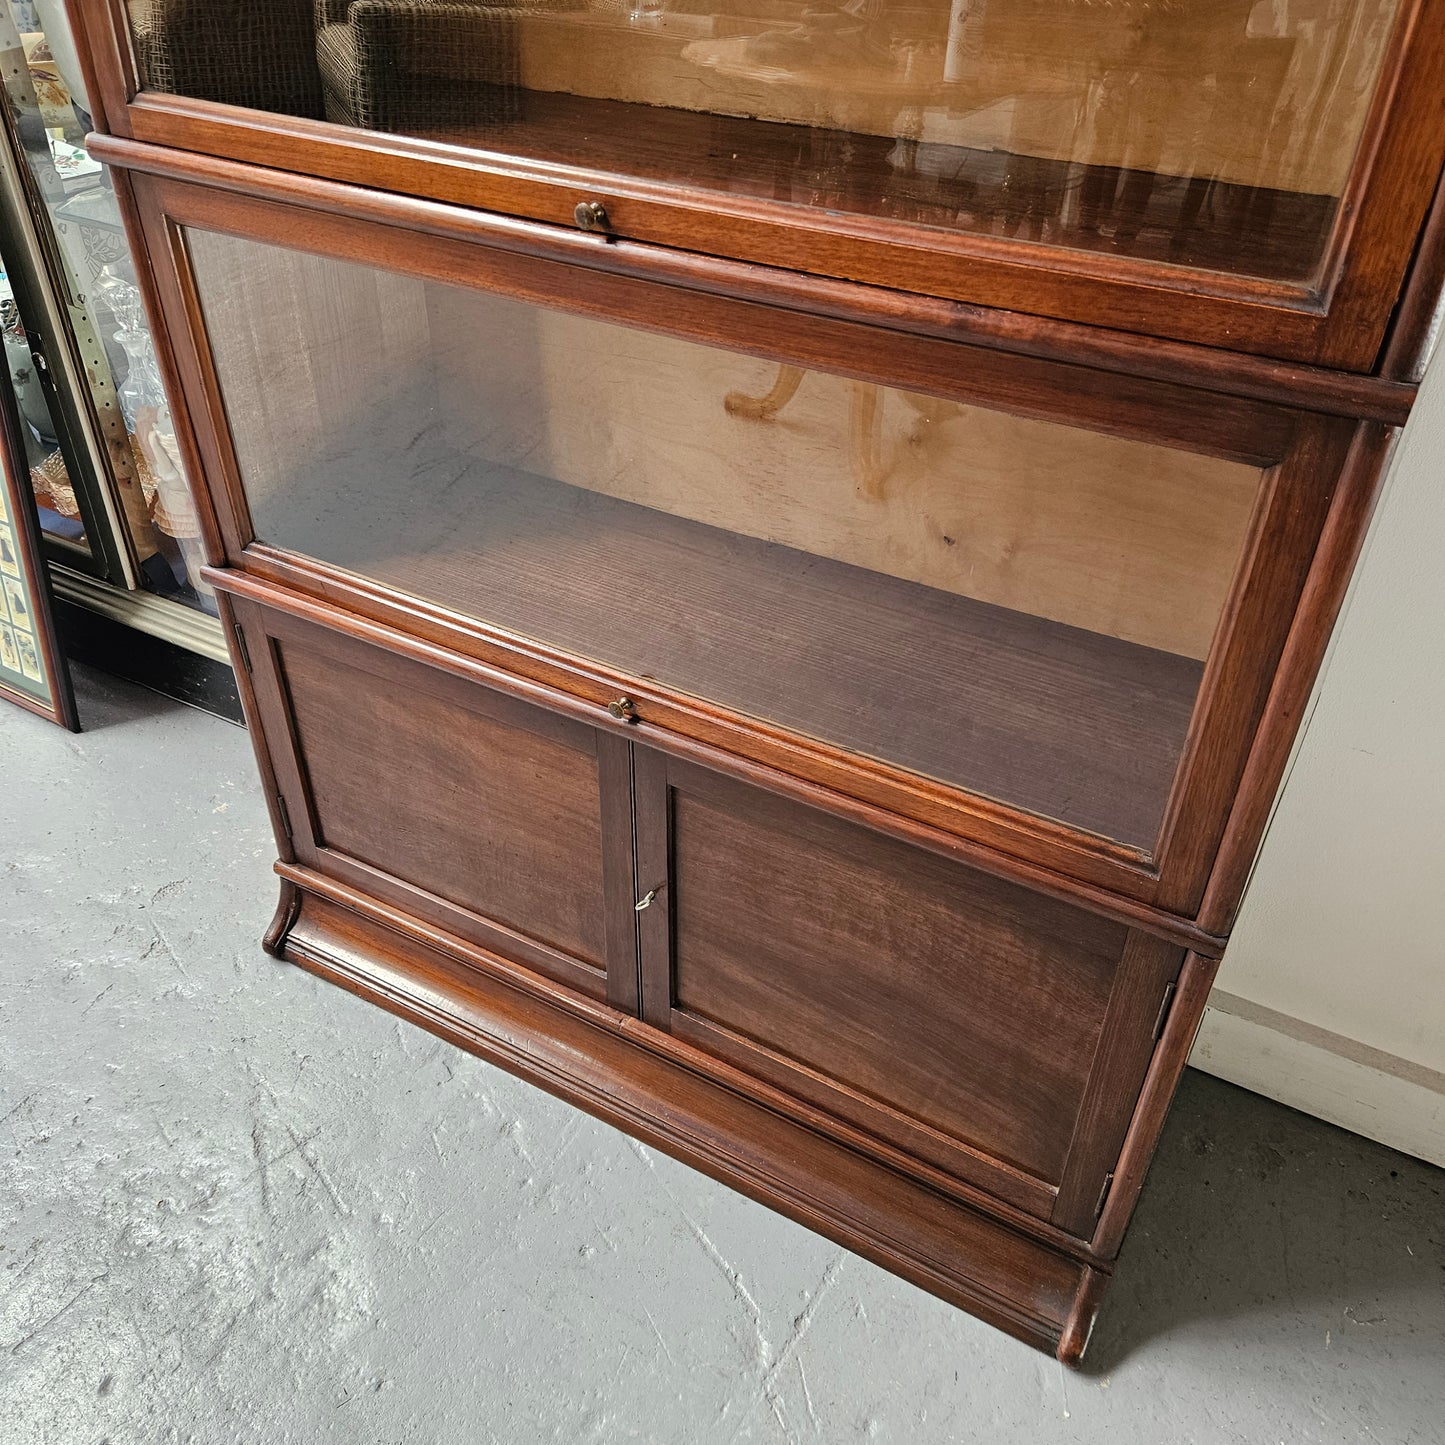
[[1017, 600]]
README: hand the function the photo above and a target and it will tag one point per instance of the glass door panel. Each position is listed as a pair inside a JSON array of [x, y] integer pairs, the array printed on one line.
[[1217, 134], [1016, 607], [122, 449], [55, 497]]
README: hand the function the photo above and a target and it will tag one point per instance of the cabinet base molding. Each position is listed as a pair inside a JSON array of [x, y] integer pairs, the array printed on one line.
[[592, 1057]]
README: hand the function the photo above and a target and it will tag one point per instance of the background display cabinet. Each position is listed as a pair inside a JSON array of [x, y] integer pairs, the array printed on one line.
[[837, 511], [98, 461]]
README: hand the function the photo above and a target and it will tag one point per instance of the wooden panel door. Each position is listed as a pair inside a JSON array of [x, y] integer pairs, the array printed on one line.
[[991, 1033], [505, 824]]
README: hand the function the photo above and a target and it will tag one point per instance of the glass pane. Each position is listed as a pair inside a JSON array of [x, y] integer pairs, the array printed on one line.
[[55, 497], [1213, 133], [1017, 607], [78, 227]]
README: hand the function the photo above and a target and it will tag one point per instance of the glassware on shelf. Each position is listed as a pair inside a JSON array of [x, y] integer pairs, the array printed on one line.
[[59, 509], [148, 421]]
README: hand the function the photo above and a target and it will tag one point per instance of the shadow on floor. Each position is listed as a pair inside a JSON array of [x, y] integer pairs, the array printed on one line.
[[1254, 1213], [104, 701]]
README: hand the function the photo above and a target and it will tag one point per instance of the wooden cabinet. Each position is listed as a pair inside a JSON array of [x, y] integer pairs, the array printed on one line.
[[776, 557]]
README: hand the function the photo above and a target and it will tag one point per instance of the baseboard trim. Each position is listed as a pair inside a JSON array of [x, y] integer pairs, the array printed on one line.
[[1364, 1089]]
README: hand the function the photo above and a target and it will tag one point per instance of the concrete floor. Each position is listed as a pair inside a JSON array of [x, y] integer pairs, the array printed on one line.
[[240, 1206]]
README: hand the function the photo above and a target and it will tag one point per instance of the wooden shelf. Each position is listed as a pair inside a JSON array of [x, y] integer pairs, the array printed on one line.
[[1273, 235], [1053, 719]]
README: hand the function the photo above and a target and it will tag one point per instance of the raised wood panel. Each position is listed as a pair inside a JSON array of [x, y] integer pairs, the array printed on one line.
[[466, 807], [908, 994], [497, 819]]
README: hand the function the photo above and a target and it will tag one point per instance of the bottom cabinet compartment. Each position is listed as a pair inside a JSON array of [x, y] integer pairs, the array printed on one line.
[[992, 1032], [932, 1064]]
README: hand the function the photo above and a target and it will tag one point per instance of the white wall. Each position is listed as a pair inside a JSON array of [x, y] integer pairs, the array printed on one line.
[[1331, 996]]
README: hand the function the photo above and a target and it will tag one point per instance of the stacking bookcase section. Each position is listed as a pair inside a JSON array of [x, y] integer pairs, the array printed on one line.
[[1223, 171], [974, 589]]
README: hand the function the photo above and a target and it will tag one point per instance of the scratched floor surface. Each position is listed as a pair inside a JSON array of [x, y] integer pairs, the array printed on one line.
[[240, 1206]]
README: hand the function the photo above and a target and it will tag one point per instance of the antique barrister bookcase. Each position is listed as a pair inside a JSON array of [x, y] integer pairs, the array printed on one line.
[[776, 552]]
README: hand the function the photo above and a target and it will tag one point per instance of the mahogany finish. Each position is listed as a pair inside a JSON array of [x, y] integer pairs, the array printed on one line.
[[894, 906], [1293, 501], [1227, 375]]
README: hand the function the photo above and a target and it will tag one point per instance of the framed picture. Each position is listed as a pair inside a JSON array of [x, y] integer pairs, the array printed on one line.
[[33, 671]]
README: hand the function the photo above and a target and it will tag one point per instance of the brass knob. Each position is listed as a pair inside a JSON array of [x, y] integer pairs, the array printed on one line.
[[591, 215], [623, 709]]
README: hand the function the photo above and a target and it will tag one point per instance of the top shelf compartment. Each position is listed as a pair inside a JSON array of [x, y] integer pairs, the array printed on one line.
[[1209, 170]]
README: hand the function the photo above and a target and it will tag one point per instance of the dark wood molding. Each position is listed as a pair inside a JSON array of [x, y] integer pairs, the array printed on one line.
[[1393, 182], [1165, 1068], [1118, 352], [1421, 312], [686, 1054], [1017, 1283], [1292, 681]]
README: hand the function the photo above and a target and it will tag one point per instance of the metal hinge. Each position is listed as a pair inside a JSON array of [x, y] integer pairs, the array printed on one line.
[[1165, 1004], [285, 816], [242, 648], [1104, 1193]]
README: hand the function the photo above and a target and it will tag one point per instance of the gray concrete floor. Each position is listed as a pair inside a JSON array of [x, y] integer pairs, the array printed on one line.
[[239, 1205]]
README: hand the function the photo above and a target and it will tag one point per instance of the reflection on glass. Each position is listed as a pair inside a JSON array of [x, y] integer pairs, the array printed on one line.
[[1214, 133], [79, 228], [49, 477], [1015, 606]]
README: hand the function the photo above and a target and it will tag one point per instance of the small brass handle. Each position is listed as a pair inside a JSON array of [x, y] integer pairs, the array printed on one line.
[[591, 215], [645, 901], [623, 709]]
